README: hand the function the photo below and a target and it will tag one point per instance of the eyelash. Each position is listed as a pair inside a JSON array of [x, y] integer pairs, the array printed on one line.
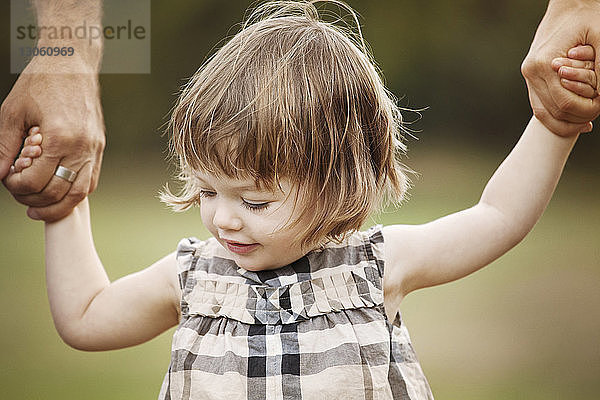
[[245, 204], [255, 206]]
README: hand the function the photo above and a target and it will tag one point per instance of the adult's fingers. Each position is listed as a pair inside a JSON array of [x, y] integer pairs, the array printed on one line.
[[11, 137], [579, 88], [585, 76], [78, 191], [56, 189], [569, 106], [35, 179], [551, 98], [562, 128]]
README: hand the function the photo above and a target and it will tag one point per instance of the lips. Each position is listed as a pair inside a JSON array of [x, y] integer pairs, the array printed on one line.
[[240, 248]]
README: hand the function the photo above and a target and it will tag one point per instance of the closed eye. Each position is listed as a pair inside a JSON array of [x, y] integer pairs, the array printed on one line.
[[255, 206]]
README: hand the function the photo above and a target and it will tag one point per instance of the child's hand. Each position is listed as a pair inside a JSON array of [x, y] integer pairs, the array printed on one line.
[[577, 71], [31, 150]]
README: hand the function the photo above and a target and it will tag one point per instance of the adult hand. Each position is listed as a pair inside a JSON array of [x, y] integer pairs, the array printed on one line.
[[61, 95], [567, 23], [66, 106]]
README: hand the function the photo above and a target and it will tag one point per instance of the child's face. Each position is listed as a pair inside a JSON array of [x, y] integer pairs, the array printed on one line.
[[247, 221]]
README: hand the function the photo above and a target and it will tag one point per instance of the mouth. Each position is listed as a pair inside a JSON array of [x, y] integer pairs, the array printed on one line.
[[240, 248]]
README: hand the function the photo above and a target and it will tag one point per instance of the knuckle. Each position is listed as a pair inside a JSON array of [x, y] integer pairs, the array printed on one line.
[[96, 143], [75, 139], [62, 142], [101, 142], [81, 135], [530, 66], [525, 67]]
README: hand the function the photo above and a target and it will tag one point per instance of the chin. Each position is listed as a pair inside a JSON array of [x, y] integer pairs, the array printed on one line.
[[254, 267], [251, 267]]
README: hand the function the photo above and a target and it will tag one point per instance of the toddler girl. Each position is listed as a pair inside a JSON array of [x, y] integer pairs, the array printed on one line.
[[287, 139]]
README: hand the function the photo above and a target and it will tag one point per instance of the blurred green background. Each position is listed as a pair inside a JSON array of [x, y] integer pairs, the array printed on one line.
[[526, 327]]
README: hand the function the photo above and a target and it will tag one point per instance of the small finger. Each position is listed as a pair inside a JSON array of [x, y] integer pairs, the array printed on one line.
[[34, 139], [569, 62], [31, 151], [33, 130], [579, 88], [22, 163], [582, 52]]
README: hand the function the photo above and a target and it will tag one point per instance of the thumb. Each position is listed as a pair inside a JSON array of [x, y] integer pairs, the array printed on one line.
[[11, 138]]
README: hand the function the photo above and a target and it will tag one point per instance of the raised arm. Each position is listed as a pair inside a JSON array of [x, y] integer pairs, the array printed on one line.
[[89, 312], [456, 245]]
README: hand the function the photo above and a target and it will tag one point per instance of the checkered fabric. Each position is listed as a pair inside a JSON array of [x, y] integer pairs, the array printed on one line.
[[314, 329]]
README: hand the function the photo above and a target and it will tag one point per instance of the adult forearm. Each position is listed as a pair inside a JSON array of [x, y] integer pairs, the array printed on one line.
[[74, 273], [57, 21], [522, 186]]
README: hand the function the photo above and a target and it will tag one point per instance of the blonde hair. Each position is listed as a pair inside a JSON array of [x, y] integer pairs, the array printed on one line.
[[293, 96]]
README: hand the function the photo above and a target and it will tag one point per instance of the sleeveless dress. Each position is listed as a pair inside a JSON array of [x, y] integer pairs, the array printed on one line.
[[314, 329]]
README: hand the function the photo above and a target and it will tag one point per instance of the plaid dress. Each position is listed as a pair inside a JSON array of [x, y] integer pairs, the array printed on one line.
[[315, 329]]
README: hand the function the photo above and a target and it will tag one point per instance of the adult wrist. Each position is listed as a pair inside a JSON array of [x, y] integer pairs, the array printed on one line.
[[83, 56]]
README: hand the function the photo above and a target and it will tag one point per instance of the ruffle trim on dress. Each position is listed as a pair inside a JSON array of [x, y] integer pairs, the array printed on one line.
[[256, 304], [267, 301]]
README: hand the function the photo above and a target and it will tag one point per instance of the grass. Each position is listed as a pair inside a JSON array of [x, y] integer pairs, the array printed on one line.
[[527, 326]]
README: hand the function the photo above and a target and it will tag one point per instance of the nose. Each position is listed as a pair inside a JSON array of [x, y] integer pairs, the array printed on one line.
[[226, 219]]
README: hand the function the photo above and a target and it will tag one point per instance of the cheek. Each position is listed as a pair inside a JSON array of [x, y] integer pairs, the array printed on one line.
[[270, 227], [205, 214]]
